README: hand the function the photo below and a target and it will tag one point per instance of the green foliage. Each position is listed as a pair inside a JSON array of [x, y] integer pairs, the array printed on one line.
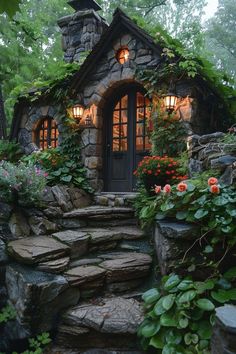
[[9, 7], [37, 345], [7, 313], [180, 313], [168, 136], [21, 184], [62, 164], [10, 151]]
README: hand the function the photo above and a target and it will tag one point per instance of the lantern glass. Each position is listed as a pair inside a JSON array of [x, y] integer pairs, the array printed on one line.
[[170, 101], [78, 112], [122, 55]]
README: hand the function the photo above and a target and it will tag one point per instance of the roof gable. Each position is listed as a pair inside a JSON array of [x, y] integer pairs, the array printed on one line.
[[120, 21]]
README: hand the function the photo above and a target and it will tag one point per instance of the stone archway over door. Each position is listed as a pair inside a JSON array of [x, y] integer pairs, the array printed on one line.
[[127, 138]]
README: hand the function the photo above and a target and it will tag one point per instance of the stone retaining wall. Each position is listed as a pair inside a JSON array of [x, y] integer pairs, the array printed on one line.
[[210, 152]]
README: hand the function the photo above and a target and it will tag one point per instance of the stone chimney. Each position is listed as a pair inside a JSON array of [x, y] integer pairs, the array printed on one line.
[[81, 30]]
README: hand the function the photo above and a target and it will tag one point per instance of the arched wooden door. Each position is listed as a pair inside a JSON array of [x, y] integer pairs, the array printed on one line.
[[127, 138]]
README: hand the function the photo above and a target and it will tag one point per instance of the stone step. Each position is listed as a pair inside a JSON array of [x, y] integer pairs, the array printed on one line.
[[117, 272], [115, 199], [96, 212], [87, 240], [63, 350], [105, 323]]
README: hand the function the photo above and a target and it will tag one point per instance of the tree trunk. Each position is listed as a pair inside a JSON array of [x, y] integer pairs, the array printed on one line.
[[3, 128]]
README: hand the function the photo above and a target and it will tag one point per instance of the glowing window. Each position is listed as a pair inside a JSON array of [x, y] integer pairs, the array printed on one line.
[[122, 55], [46, 134]]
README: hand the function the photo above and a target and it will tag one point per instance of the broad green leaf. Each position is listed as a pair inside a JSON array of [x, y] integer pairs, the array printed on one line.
[[66, 179], [181, 215], [168, 320], [171, 282], [231, 212], [167, 206], [173, 336], [230, 274], [220, 296], [150, 329], [183, 322], [187, 296], [168, 301], [205, 304], [232, 294], [220, 200], [160, 216], [151, 296], [200, 213], [205, 330], [202, 286], [185, 285], [158, 308], [191, 187], [169, 349], [157, 341]]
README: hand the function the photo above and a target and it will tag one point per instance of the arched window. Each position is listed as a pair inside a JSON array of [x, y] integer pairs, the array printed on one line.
[[46, 134]]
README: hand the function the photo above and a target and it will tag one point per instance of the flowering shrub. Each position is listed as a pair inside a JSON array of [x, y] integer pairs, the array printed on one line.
[[164, 169], [21, 183], [211, 206], [62, 164], [10, 151]]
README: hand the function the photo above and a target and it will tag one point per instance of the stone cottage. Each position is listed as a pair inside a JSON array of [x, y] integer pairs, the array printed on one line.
[[112, 106]]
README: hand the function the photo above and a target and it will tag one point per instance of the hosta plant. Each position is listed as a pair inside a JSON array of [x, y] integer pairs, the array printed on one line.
[[180, 313]]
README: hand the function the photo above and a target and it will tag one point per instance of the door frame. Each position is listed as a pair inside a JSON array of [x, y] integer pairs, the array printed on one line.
[[130, 89]]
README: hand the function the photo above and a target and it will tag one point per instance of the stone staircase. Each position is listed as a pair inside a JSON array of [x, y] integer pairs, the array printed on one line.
[[84, 281]]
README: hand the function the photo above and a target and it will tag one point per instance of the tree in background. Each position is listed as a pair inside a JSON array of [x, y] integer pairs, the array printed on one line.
[[221, 37]]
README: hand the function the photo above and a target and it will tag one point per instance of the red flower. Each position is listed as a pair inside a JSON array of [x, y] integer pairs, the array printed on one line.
[[157, 189], [212, 181], [182, 187], [149, 172], [167, 188], [215, 189]]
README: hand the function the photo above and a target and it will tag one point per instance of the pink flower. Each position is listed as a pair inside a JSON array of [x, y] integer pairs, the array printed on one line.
[[167, 188], [45, 174], [215, 189], [212, 181], [182, 187], [157, 189]]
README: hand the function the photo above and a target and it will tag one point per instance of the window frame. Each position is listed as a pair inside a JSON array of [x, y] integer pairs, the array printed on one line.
[[52, 127]]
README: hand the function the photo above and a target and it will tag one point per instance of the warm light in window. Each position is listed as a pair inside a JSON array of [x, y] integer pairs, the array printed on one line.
[[78, 112], [122, 55]]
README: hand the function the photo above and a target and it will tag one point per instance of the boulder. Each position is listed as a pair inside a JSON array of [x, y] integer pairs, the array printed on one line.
[[223, 162], [110, 323], [62, 197], [38, 298], [18, 225], [76, 240], [5, 211], [42, 226], [37, 249]]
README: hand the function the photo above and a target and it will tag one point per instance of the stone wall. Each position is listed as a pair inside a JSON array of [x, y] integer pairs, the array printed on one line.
[[224, 335], [210, 152], [31, 117]]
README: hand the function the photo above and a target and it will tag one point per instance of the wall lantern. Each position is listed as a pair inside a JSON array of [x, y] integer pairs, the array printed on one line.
[[170, 99], [77, 112]]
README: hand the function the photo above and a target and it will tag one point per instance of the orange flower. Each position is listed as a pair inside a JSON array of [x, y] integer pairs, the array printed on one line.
[[167, 188], [182, 187], [157, 189], [215, 189], [212, 181]]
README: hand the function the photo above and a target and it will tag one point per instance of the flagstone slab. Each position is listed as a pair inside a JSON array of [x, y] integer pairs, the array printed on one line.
[[33, 250]]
